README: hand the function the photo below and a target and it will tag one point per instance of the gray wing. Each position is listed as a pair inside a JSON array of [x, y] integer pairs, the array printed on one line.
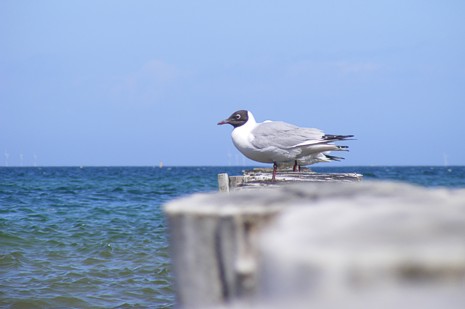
[[283, 135]]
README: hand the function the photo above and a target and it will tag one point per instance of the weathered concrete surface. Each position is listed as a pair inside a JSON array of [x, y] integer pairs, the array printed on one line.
[[375, 246], [213, 245], [261, 177], [328, 245]]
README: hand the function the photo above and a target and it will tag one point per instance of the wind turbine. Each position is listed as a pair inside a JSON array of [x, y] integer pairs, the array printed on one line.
[[7, 156]]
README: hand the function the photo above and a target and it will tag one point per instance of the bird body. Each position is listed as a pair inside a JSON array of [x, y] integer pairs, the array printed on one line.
[[280, 142]]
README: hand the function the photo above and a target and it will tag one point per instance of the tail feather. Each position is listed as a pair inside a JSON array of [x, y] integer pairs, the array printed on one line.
[[333, 137], [334, 158]]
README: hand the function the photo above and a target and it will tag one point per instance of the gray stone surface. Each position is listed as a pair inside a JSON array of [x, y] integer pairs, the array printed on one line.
[[258, 178], [320, 245], [213, 245]]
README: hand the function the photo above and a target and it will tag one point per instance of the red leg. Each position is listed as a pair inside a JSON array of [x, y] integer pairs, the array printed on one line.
[[275, 169], [296, 167]]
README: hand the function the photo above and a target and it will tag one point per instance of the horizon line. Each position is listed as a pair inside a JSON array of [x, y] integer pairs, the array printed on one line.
[[181, 165]]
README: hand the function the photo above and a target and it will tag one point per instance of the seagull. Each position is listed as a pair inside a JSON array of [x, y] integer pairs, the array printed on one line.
[[279, 142]]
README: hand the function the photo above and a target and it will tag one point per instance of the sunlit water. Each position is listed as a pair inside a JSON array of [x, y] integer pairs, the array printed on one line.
[[95, 237]]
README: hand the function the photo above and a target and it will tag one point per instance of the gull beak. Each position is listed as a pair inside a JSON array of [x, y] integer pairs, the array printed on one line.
[[223, 122]]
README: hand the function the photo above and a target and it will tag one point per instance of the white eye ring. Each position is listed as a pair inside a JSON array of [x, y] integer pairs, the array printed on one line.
[[238, 116]]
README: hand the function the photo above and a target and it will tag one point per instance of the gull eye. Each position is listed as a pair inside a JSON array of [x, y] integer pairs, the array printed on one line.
[[238, 116]]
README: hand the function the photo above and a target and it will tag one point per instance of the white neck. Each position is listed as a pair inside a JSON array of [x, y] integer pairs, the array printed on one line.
[[251, 122]]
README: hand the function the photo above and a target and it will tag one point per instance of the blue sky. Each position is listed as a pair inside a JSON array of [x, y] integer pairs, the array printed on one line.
[[139, 82]]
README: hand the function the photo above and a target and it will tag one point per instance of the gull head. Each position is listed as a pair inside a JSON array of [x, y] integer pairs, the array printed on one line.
[[236, 119]]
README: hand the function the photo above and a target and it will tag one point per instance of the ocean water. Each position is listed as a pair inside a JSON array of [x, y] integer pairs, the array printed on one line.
[[95, 237]]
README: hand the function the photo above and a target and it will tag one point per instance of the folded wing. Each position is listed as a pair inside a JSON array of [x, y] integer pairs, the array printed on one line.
[[285, 136]]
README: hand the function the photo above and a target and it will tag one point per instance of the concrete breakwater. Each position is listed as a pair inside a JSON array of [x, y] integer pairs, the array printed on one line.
[[320, 245], [258, 178]]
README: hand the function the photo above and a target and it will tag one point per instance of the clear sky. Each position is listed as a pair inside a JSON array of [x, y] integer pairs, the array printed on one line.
[[139, 82]]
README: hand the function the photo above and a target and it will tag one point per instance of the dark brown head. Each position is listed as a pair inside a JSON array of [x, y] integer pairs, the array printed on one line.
[[237, 119]]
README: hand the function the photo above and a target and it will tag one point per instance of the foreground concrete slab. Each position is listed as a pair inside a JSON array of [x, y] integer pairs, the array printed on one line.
[[320, 245]]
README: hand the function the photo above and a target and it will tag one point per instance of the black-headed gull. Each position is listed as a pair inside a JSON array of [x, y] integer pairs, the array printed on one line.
[[280, 142]]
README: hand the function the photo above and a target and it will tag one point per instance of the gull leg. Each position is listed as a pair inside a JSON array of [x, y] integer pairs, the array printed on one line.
[[275, 169], [296, 167]]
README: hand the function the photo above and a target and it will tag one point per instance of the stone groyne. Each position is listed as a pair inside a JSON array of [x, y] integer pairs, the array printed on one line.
[[320, 245]]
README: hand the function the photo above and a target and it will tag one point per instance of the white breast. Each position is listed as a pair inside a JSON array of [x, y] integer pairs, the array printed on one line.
[[242, 138]]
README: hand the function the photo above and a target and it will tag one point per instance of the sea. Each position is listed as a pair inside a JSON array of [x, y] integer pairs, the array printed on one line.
[[96, 237]]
